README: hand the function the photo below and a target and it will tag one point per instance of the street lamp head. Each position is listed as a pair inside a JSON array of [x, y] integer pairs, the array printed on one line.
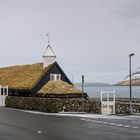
[[132, 54]]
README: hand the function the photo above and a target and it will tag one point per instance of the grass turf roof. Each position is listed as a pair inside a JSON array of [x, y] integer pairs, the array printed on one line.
[[58, 87], [22, 77]]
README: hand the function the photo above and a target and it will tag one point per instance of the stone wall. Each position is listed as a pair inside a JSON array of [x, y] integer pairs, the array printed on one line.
[[68, 104], [123, 107], [53, 104]]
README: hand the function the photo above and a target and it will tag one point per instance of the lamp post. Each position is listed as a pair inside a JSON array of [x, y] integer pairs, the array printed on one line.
[[130, 82], [83, 92]]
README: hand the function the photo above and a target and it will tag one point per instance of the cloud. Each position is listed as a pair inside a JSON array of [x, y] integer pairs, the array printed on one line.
[[125, 8], [87, 36]]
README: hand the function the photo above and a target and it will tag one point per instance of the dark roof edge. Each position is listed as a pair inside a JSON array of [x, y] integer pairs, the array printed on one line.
[[57, 65]]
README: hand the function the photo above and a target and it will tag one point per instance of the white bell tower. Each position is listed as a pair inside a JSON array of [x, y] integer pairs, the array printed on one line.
[[49, 56]]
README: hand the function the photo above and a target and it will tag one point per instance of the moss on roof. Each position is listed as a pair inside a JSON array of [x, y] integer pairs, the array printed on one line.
[[58, 87], [25, 77], [22, 77]]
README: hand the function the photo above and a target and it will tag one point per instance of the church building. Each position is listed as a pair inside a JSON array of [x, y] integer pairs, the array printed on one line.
[[40, 79]]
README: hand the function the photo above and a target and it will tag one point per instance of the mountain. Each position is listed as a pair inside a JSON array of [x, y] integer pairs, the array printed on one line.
[[135, 79], [91, 84]]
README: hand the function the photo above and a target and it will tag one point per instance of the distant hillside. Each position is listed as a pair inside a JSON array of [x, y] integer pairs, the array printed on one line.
[[135, 82], [91, 84], [135, 79]]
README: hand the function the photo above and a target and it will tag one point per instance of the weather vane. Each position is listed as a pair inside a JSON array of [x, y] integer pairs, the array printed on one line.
[[48, 35]]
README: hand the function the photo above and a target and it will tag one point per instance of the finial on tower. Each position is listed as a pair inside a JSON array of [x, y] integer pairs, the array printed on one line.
[[48, 35]]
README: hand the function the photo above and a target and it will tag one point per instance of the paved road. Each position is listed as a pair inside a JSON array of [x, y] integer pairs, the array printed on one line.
[[17, 125]]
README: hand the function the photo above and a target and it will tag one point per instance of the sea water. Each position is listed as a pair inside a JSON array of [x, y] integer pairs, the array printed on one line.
[[120, 91]]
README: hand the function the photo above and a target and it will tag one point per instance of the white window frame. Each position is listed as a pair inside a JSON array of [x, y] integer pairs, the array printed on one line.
[[55, 77]]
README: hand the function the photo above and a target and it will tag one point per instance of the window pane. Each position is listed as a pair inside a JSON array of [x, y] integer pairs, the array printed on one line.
[[55, 77], [52, 77]]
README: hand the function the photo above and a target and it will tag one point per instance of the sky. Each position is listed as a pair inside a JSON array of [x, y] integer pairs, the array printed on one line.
[[90, 37]]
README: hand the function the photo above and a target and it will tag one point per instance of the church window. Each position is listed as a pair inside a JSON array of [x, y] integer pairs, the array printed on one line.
[[55, 77]]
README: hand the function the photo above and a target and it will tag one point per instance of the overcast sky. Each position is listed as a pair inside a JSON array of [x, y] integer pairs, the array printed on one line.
[[90, 37]]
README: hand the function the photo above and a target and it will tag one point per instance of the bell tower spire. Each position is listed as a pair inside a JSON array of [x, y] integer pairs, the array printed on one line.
[[49, 56]]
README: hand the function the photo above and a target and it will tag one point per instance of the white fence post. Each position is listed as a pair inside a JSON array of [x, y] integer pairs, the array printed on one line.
[[114, 99]]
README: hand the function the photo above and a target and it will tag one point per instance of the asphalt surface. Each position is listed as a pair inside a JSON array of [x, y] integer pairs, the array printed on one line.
[[18, 125]]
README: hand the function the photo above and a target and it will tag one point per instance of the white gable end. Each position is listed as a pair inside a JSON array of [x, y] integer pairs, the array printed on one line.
[[49, 56]]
